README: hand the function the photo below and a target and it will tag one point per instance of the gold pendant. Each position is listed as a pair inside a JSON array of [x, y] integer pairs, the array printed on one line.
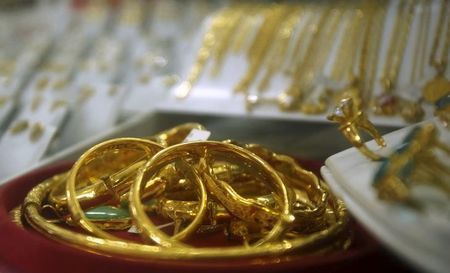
[[436, 88], [386, 105], [412, 111]]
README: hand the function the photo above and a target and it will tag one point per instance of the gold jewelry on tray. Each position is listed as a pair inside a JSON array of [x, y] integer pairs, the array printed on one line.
[[264, 200], [314, 242], [413, 162]]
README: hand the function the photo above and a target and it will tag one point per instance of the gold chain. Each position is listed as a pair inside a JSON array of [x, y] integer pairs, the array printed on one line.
[[228, 31], [439, 86], [397, 46], [288, 98], [356, 55], [345, 54], [421, 42], [307, 29], [372, 47], [315, 101], [257, 52], [209, 41], [282, 40], [440, 25]]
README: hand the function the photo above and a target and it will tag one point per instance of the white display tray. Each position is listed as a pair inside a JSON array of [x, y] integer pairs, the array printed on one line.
[[421, 237]]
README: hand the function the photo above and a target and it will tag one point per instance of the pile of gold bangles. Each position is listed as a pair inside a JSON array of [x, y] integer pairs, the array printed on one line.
[[262, 202]]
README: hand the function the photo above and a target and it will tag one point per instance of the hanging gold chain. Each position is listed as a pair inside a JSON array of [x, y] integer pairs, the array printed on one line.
[[279, 50], [421, 42], [290, 97], [397, 46], [346, 53], [274, 16], [439, 86], [228, 33], [209, 41], [371, 51], [436, 41]]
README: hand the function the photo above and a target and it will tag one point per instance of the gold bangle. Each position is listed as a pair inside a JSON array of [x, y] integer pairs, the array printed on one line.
[[198, 149], [335, 233], [224, 171], [413, 158], [148, 149]]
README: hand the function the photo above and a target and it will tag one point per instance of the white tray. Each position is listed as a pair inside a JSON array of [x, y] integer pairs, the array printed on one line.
[[422, 238]]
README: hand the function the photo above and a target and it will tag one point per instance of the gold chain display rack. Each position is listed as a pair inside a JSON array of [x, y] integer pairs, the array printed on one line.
[[264, 204], [324, 52]]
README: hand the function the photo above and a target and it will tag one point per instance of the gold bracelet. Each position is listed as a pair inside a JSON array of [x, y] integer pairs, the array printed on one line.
[[221, 192], [335, 233], [263, 198], [146, 148]]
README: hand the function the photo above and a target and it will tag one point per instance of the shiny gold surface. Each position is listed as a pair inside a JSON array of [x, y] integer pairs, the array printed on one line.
[[351, 119], [263, 200]]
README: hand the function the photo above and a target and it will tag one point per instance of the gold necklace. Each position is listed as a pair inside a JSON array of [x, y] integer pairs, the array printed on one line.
[[317, 100], [209, 41], [289, 99], [257, 53], [365, 23], [439, 86], [245, 28], [346, 52], [411, 110], [296, 55], [421, 43], [228, 32], [387, 103], [371, 52], [278, 53]]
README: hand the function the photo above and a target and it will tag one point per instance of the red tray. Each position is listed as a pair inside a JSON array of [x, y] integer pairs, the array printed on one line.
[[24, 250]]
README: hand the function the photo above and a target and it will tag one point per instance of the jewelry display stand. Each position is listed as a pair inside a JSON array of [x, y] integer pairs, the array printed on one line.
[[420, 236]]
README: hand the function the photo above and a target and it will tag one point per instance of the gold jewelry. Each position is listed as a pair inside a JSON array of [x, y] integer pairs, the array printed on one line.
[[233, 202], [209, 41], [257, 52], [37, 130], [34, 200], [351, 118], [235, 176], [387, 103], [412, 111], [279, 49], [413, 162], [371, 51], [84, 169], [246, 28], [227, 34], [316, 102], [19, 127], [439, 86], [302, 76]]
